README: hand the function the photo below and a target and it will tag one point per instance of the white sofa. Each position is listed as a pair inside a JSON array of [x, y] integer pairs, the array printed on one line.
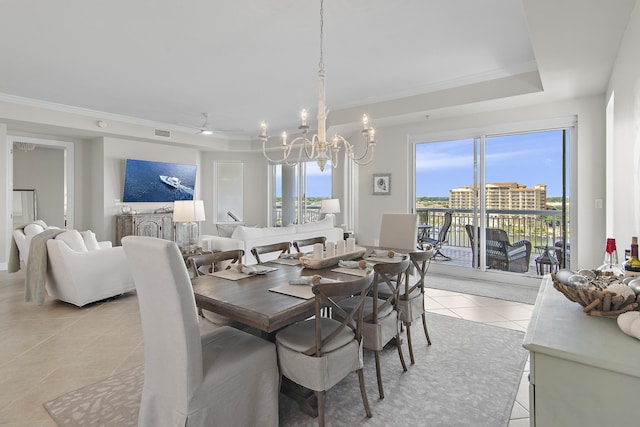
[[80, 270], [243, 237]]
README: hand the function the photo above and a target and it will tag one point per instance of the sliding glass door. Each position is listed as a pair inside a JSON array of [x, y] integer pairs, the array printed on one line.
[[508, 196]]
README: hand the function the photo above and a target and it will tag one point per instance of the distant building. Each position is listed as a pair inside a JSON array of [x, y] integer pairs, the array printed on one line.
[[501, 195]]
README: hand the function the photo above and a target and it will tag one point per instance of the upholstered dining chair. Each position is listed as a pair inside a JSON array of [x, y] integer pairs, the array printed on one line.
[[209, 263], [283, 247], [308, 242], [224, 377], [381, 318], [411, 297], [319, 352], [399, 231]]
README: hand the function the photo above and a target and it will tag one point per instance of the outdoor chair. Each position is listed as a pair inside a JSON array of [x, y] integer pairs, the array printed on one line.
[[443, 235], [501, 254]]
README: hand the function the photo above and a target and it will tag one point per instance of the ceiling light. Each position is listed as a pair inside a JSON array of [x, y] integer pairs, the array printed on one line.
[[319, 149]]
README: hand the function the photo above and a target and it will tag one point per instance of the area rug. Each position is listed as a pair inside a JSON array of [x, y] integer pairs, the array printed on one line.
[[468, 377], [504, 291]]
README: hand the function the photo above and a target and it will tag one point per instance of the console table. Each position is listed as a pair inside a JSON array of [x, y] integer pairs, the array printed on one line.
[[144, 224], [584, 370]]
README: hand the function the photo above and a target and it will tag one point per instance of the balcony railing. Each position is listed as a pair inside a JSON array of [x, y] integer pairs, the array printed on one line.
[[540, 227]]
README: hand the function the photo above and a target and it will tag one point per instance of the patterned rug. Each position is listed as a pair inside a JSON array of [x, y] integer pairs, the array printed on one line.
[[468, 377]]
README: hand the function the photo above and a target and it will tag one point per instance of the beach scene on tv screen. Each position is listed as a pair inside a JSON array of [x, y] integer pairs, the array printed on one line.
[[147, 181]]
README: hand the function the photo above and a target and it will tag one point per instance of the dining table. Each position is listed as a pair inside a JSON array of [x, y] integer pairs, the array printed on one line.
[[251, 300]]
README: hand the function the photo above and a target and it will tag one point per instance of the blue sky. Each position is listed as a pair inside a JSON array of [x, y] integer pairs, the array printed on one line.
[[529, 159]]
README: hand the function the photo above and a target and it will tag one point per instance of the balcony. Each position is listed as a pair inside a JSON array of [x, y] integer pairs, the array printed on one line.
[[541, 227]]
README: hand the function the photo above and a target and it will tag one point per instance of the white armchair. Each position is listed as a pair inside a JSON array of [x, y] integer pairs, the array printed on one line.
[[72, 266], [81, 276]]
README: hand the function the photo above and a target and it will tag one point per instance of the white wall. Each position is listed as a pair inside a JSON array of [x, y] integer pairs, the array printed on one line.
[[392, 156], [625, 84]]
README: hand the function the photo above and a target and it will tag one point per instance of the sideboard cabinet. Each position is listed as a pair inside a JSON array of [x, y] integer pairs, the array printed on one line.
[[584, 370], [145, 224]]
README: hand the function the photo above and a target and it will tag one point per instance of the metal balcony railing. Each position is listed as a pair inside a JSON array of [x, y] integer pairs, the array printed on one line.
[[540, 227]]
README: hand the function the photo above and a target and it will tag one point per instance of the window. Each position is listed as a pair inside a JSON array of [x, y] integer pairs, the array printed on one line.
[[297, 192], [228, 190]]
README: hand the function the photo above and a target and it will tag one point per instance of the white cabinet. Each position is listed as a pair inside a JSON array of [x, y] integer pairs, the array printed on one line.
[[584, 370]]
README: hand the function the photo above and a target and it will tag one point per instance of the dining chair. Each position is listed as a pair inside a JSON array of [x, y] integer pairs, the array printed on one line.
[[216, 261], [224, 377], [411, 298], [319, 352], [210, 263], [381, 320], [398, 231], [308, 242], [283, 247]]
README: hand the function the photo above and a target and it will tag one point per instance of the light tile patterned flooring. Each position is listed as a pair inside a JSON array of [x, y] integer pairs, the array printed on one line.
[[49, 350]]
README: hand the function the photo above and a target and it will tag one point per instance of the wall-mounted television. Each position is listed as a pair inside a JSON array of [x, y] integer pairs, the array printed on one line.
[[147, 181]]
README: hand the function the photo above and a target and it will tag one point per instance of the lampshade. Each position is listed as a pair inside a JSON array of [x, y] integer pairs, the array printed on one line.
[[188, 211], [331, 206]]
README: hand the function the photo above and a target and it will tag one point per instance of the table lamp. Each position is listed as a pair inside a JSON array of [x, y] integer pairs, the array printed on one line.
[[330, 207], [186, 216]]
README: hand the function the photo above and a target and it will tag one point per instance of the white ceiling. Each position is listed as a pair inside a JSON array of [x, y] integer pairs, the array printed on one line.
[[242, 61]]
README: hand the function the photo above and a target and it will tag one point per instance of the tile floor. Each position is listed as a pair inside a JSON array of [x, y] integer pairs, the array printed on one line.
[[49, 350]]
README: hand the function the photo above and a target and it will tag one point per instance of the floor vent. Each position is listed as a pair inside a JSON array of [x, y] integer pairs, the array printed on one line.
[[162, 133]]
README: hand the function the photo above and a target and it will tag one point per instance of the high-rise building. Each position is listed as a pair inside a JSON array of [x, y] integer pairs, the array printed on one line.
[[501, 195]]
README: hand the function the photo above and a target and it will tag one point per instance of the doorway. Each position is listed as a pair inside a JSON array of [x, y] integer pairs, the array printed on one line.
[[510, 183], [46, 166]]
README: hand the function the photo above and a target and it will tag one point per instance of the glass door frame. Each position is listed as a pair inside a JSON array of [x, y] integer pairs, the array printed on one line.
[[569, 123]]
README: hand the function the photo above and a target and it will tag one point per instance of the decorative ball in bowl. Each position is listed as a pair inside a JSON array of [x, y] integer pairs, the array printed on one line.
[[600, 294]]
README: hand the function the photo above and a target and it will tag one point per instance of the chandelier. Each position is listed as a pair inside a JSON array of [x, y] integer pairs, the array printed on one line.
[[316, 148]]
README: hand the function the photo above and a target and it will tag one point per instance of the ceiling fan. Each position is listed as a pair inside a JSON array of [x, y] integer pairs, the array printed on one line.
[[206, 129]]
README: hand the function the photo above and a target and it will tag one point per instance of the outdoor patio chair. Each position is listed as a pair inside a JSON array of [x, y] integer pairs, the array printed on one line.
[[501, 254], [443, 235]]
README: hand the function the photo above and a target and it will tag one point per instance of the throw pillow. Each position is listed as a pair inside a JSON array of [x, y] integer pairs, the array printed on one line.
[[73, 239], [90, 240], [33, 229]]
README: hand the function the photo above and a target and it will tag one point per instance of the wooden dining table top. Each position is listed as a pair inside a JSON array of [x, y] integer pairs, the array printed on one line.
[[250, 302]]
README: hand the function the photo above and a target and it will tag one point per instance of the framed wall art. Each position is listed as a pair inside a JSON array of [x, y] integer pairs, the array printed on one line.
[[381, 184]]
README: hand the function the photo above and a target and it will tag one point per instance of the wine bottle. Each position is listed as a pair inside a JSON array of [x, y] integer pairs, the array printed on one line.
[[610, 264], [632, 266]]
